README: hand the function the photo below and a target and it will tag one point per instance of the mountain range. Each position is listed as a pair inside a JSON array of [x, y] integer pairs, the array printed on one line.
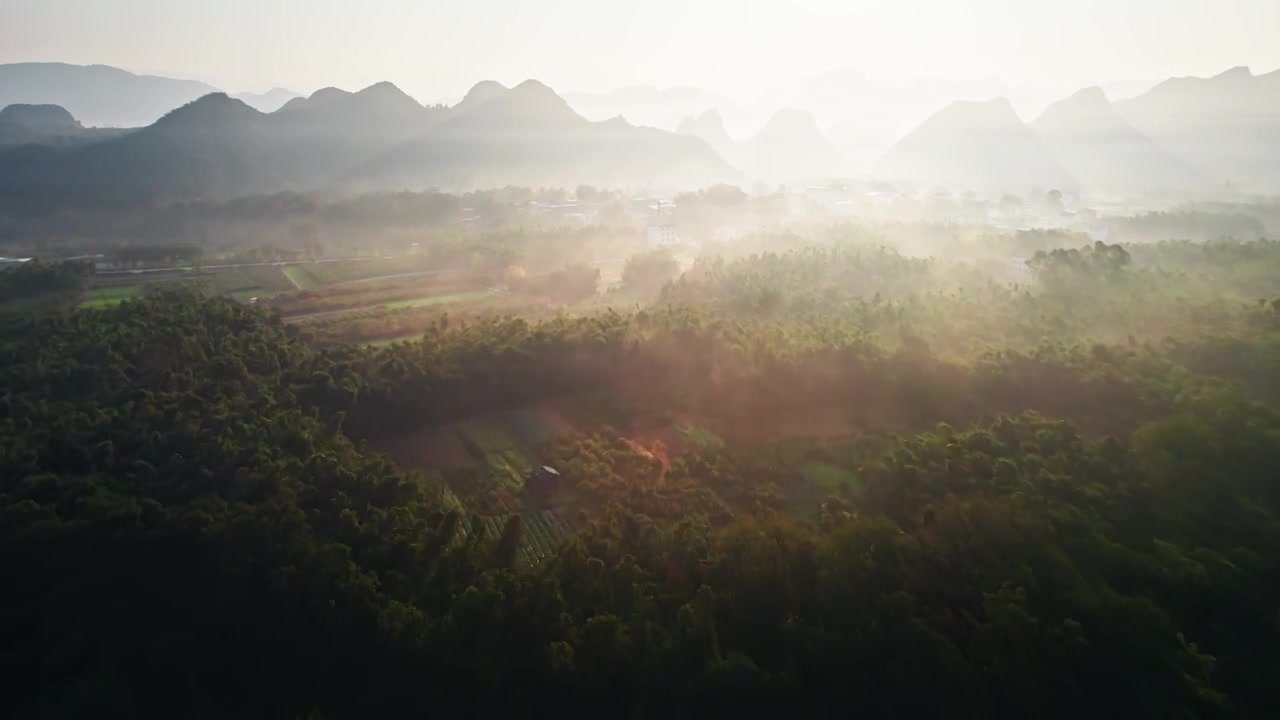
[[789, 148], [1184, 134], [376, 139], [528, 135], [97, 95], [1226, 126], [47, 125], [1106, 154], [975, 145]]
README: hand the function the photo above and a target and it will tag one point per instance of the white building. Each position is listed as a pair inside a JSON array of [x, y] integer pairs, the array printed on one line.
[[662, 236]]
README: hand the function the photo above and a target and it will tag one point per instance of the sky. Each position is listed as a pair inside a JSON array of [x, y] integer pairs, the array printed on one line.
[[436, 50]]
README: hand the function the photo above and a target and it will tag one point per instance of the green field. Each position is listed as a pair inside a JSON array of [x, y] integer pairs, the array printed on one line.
[[441, 299], [309, 277], [106, 297], [244, 296]]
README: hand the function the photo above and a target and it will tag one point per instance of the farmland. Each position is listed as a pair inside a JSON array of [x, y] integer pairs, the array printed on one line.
[[106, 297]]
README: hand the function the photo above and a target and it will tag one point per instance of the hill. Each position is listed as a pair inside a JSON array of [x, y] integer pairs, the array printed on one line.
[[98, 95], [317, 138], [218, 146], [1107, 154], [47, 125], [789, 148], [979, 145], [1227, 126], [529, 135], [647, 105], [709, 126]]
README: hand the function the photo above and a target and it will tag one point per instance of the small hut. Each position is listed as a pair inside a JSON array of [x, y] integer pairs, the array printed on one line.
[[542, 481]]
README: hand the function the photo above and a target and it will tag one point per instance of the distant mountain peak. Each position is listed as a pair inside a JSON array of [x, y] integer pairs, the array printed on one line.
[[385, 87], [534, 87], [1089, 96], [529, 102], [1239, 72], [1089, 105], [97, 95], [328, 94], [996, 111], [709, 126], [44, 117], [975, 144], [214, 109], [791, 120], [482, 92]]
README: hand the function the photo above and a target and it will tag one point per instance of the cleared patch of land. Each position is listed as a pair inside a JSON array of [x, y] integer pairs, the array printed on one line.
[[106, 297]]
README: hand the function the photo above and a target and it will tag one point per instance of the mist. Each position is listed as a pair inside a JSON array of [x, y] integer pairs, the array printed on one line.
[[579, 359]]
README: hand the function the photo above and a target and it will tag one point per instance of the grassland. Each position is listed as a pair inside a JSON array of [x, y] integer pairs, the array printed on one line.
[[106, 297], [309, 277], [441, 299]]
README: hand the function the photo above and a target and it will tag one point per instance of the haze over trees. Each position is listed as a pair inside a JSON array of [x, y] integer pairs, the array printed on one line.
[[346, 405]]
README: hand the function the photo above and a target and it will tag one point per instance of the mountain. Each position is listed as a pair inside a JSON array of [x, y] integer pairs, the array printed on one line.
[[315, 139], [528, 135], [647, 105], [47, 125], [1107, 154], [710, 127], [210, 147], [218, 146], [377, 138], [1227, 126], [790, 148], [482, 92], [269, 101], [978, 145], [97, 94]]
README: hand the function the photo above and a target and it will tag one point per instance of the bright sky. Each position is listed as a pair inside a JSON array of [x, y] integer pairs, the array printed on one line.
[[436, 49]]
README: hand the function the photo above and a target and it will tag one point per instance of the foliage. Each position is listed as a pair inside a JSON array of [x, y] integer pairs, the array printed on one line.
[[886, 484], [34, 278], [648, 272]]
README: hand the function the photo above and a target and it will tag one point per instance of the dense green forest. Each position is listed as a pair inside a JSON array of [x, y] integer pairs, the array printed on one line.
[[933, 489]]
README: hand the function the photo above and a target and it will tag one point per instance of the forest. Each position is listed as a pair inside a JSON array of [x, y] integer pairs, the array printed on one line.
[[1033, 476]]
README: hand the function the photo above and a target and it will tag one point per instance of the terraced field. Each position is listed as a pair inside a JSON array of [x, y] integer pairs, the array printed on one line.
[[308, 277], [544, 532], [441, 299]]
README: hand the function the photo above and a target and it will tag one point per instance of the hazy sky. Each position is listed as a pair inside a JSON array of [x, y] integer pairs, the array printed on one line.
[[435, 50]]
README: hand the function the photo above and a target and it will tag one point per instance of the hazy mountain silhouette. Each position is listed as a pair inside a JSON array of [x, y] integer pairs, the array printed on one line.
[[377, 138], [1107, 154], [47, 125], [98, 95], [979, 145], [481, 92], [213, 146], [648, 105], [789, 148], [528, 135], [709, 126], [269, 101], [1226, 126], [317, 138]]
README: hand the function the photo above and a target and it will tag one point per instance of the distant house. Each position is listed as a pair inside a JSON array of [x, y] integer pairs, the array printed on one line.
[[542, 481], [661, 236]]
